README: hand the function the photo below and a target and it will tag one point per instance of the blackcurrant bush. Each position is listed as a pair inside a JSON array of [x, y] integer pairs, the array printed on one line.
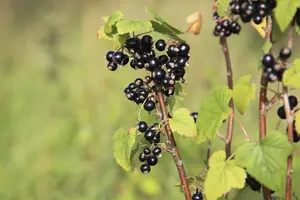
[[145, 168], [112, 66], [156, 151], [285, 53], [183, 49], [149, 105], [194, 115], [152, 160], [149, 135], [160, 45], [147, 151], [293, 101], [257, 19], [118, 57], [109, 56], [142, 157], [142, 126], [281, 112], [163, 59], [158, 74], [268, 60], [197, 196], [147, 41], [172, 51]]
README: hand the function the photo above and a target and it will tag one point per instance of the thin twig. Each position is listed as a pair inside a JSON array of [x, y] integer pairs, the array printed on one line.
[[221, 136], [243, 129], [225, 49], [175, 152], [263, 99], [289, 117], [208, 154]]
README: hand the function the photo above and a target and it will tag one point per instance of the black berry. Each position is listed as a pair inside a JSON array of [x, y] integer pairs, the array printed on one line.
[[183, 49], [149, 135], [147, 151], [142, 126], [147, 41], [235, 27], [112, 66], [158, 74], [142, 157], [172, 51], [118, 57], [125, 60], [281, 112], [197, 196], [160, 45], [138, 82], [268, 60], [109, 56], [194, 115], [163, 59], [257, 19], [133, 43], [156, 151], [145, 168], [285, 53], [152, 160], [293, 101]]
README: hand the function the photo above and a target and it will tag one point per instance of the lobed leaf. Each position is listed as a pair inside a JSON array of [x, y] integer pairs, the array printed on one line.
[[162, 29], [266, 161], [222, 7], [243, 93], [212, 113], [119, 40], [222, 176], [129, 26], [183, 123], [291, 76], [111, 21], [175, 101]]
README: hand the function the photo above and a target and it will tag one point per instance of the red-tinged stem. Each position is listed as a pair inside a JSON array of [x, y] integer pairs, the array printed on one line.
[[225, 49], [289, 117], [174, 150]]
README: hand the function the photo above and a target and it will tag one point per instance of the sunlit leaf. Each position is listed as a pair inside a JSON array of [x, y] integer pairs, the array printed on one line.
[[223, 7], [129, 26], [291, 76], [111, 21], [260, 28], [222, 176], [297, 122], [119, 40], [164, 30]]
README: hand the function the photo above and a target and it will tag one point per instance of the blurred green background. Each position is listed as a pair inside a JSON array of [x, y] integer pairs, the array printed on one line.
[[59, 105]]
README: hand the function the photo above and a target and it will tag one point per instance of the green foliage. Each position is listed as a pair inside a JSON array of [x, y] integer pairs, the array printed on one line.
[[297, 122], [291, 76], [267, 47], [182, 123], [222, 176], [266, 161], [176, 101], [285, 12], [109, 27], [119, 40], [165, 31], [129, 26], [213, 111], [123, 143], [243, 93], [222, 7]]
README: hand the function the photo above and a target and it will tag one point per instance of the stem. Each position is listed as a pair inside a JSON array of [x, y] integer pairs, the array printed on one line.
[[208, 154], [289, 117], [263, 100], [225, 49], [175, 152]]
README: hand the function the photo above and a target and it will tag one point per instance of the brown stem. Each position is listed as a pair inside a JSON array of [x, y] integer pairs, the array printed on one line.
[[225, 49], [175, 153], [263, 100], [289, 117]]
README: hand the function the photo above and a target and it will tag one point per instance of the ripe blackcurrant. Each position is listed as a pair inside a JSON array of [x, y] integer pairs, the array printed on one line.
[[160, 45], [285, 53], [158, 74], [253, 183], [133, 63], [152, 160], [281, 112], [125, 60], [293, 101], [272, 3], [138, 82], [153, 63], [147, 151], [268, 60], [257, 19], [235, 27], [142, 157], [296, 136], [132, 86], [109, 56], [156, 138], [126, 90], [183, 49], [112, 66], [225, 24], [133, 43], [118, 57], [149, 135], [142, 126], [245, 17], [197, 196], [194, 115], [147, 41], [163, 59], [235, 8], [145, 168], [147, 80], [156, 151], [149, 105], [172, 51], [139, 64], [183, 61], [131, 96]]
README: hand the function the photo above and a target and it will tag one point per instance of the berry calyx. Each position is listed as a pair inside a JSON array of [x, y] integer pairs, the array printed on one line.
[[145, 168], [152, 160], [285, 53], [156, 151], [160, 45], [149, 105], [142, 126]]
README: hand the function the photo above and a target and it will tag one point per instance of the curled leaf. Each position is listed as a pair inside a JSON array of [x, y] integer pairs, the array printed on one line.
[[195, 21]]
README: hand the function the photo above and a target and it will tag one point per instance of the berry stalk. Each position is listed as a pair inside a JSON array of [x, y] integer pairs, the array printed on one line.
[[175, 152], [287, 108], [224, 45], [263, 100]]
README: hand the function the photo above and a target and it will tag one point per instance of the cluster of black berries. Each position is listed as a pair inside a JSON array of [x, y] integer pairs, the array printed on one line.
[[150, 158], [252, 10], [116, 58], [297, 17], [197, 195], [225, 28], [274, 68], [194, 115], [151, 133]]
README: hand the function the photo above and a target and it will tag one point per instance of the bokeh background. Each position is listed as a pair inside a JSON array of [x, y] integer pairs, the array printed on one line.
[[59, 105]]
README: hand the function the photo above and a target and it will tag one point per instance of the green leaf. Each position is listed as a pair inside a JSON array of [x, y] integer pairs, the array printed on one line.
[[158, 18], [243, 92], [119, 40], [291, 76], [102, 35], [175, 101], [297, 122], [123, 142], [129, 26], [297, 29], [183, 123], [285, 12], [164, 30], [222, 176], [266, 161], [222, 7], [266, 47], [111, 21], [212, 113]]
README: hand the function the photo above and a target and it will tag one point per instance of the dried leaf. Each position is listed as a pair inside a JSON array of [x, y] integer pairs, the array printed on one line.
[[195, 21]]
